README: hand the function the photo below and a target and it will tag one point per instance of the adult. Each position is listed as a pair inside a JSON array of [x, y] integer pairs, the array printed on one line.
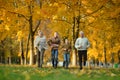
[[54, 43], [82, 44], [40, 46]]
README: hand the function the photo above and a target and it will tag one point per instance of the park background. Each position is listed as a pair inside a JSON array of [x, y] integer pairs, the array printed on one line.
[[21, 19]]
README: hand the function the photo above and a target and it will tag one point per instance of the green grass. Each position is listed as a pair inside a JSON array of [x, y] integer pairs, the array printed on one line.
[[13, 72]]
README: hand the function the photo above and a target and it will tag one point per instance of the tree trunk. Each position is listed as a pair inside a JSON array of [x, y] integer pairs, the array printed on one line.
[[31, 41], [77, 28], [105, 59], [30, 7], [112, 58], [31, 51], [74, 58], [22, 52], [27, 49], [9, 58], [31, 32]]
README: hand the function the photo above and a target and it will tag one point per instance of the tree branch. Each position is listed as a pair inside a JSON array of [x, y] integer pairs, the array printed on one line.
[[37, 25], [63, 20], [20, 15], [94, 11]]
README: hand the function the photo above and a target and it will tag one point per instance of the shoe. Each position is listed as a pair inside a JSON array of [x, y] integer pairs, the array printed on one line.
[[52, 65], [55, 67], [81, 68]]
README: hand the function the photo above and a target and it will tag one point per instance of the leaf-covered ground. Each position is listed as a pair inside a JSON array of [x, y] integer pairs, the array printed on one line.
[[13, 72]]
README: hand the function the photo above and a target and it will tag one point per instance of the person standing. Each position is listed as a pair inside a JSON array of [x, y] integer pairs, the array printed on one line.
[[40, 46], [54, 43], [82, 44], [66, 47]]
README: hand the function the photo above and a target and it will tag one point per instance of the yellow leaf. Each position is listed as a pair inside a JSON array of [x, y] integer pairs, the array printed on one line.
[[55, 17], [7, 28], [55, 4], [89, 11]]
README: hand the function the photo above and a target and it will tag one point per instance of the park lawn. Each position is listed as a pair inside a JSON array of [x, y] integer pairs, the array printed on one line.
[[16, 72]]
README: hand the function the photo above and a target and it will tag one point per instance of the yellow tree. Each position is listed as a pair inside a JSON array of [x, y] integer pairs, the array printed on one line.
[[23, 9], [105, 28], [27, 17]]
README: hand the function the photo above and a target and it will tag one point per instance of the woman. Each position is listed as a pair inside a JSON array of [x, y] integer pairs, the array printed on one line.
[[54, 43]]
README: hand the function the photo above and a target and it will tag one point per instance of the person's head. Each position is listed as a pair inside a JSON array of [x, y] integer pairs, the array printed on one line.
[[40, 33], [81, 34], [56, 34]]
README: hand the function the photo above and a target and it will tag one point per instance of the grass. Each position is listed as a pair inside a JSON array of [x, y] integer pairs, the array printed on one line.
[[15, 72]]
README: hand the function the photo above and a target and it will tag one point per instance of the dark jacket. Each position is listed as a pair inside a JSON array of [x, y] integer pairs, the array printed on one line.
[[54, 42]]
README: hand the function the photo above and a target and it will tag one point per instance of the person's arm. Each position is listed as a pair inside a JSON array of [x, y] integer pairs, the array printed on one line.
[[57, 44], [69, 48], [45, 43], [36, 42], [49, 42], [88, 43], [62, 47], [77, 44]]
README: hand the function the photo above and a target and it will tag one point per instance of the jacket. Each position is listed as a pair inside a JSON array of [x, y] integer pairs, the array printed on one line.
[[54, 42]]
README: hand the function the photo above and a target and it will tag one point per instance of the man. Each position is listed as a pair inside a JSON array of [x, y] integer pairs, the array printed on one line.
[[82, 44], [40, 45], [54, 43]]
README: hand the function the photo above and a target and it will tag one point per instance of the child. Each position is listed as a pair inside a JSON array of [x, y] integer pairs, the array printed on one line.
[[66, 47]]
